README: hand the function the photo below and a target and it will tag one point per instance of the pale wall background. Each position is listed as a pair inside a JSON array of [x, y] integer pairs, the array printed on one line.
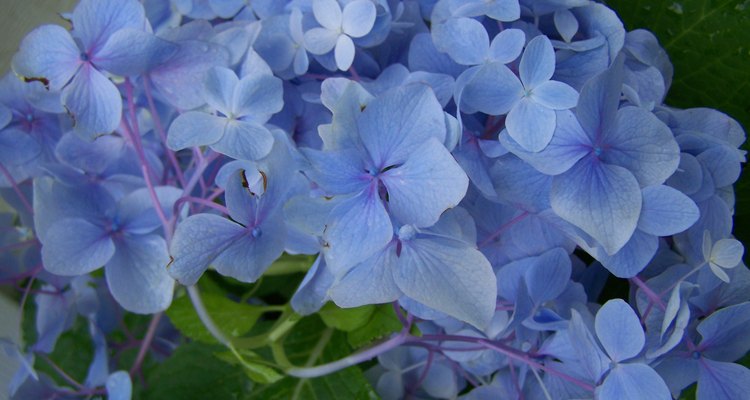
[[17, 18]]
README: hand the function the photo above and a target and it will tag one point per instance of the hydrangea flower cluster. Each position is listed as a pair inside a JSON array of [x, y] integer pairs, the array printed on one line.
[[483, 168]]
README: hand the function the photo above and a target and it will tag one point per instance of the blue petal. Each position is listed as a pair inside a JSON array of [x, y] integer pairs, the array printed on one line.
[[344, 52], [95, 21], [313, 291], [464, 39], [197, 241], [219, 88], [568, 145], [599, 100], [398, 122], [549, 275], [54, 315], [448, 276], [226, 8], [359, 226], [195, 128], [725, 333], [327, 13], [89, 156], [119, 386], [358, 18], [566, 23], [136, 213], [633, 381], [320, 40], [507, 45], [258, 97], [136, 274], [642, 144], [555, 95], [94, 102], [592, 362], [427, 184], [50, 53], [632, 258], [75, 246], [132, 51], [619, 330], [537, 62], [244, 140], [531, 125], [666, 211], [723, 381], [369, 282], [490, 88], [603, 200], [337, 172], [17, 147]]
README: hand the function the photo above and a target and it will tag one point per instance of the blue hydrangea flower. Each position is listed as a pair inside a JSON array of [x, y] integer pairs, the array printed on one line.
[[338, 27]]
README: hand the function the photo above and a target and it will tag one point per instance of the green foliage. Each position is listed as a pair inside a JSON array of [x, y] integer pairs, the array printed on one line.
[[234, 319], [73, 353], [382, 322], [345, 319], [312, 343], [194, 372]]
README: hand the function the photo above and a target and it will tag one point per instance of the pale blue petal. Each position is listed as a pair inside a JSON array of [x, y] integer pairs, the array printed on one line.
[[568, 145], [197, 241], [599, 100], [591, 360], [537, 62], [337, 171], [359, 227], [724, 164], [490, 88], [258, 97], [666, 211], [95, 21], [137, 275], [566, 24], [195, 128], [632, 258], [358, 18], [119, 386], [619, 330], [50, 53], [398, 122], [344, 52], [724, 333], [723, 381], [531, 125], [555, 95], [549, 275], [251, 254], [132, 51], [464, 39], [219, 88], [633, 381], [75, 247], [369, 282], [136, 213], [320, 40], [726, 253], [54, 315], [441, 382], [427, 184], [17, 147], [226, 8], [603, 200], [642, 144], [450, 277], [94, 103], [507, 45], [301, 62], [327, 13], [313, 291], [244, 140]]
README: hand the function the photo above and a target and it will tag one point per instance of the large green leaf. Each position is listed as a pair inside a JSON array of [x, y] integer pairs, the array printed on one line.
[[312, 343], [234, 319], [708, 42]]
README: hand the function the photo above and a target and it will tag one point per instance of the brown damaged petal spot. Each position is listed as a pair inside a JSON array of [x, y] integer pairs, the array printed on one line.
[[171, 261], [44, 81]]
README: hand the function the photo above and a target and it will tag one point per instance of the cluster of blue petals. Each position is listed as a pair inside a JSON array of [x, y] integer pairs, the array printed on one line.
[[484, 165]]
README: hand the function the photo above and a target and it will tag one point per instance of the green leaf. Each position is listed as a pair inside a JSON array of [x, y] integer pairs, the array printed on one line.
[[708, 42], [290, 264], [312, 343], [73, 353], [346, 319], [194, 372], [232, 318], [382, 323], [253, 365]]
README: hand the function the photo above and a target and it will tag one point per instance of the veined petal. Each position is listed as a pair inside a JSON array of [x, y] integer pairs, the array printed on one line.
[[344, 52], [197, 241], [507, 45], [17, 147], [531, 125], [251, 254], [94, 103], [464, 39], [537, 62], [358, 18], [369, 282], [258, 97], [119, 386], [133, 51], [555, 95], [722, 380], [95, 21], [75, 246], [427, 184], [195, 128], [136, 276], [48, 53], [666, 211], [337, 171], [603, 200], [619, 330], [490, 88], [327, 13], [244, 140], [320, 40], [358, 227], [633, 381], [219, 89], [450, 277]]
